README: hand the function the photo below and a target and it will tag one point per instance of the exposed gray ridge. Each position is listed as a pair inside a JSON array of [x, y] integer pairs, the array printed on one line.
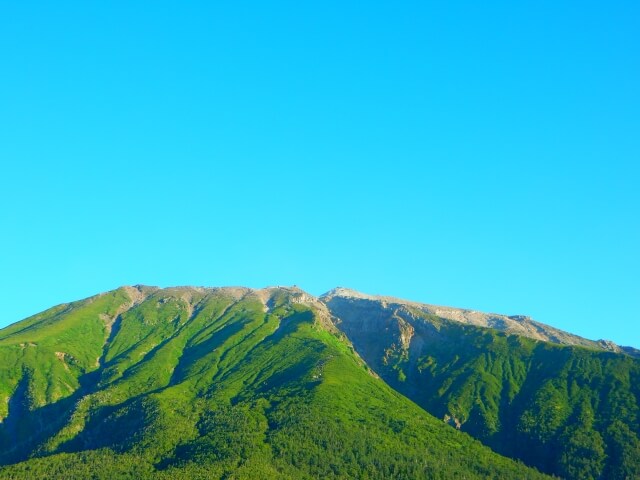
[[514, 324]]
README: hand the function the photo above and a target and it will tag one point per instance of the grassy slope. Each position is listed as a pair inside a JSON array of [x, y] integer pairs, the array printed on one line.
[[44, 357], [200, 384], [566, 410]]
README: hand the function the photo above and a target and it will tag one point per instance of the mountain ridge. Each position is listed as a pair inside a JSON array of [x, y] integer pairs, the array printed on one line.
[[513, 324]]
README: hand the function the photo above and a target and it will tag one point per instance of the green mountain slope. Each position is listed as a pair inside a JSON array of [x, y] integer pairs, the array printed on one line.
[[212, 383], [567, 410]]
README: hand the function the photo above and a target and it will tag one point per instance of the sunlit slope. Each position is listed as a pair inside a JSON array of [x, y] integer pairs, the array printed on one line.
[[213, 383], [44, 356]]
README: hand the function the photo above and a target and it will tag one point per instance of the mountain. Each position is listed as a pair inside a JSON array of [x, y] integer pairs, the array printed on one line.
[[276, 383], [143, 382], [566, 405]]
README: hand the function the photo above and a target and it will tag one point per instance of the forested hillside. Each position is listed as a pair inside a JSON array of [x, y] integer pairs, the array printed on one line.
[[567, 410]]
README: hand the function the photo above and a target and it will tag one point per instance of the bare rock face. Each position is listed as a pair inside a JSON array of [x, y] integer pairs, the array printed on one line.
[[340, 298]]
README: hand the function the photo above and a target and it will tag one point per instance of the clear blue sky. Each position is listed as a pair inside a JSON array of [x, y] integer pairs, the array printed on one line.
[[474, 154]]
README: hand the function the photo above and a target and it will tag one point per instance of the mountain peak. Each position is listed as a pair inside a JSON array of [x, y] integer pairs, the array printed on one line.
[[346, 292]]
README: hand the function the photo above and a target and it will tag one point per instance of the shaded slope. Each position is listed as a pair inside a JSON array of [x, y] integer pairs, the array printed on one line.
[[213, 383], [571, 411]]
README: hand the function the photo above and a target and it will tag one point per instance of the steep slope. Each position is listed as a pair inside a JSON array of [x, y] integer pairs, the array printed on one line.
[[212, 383], [567, 410]]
